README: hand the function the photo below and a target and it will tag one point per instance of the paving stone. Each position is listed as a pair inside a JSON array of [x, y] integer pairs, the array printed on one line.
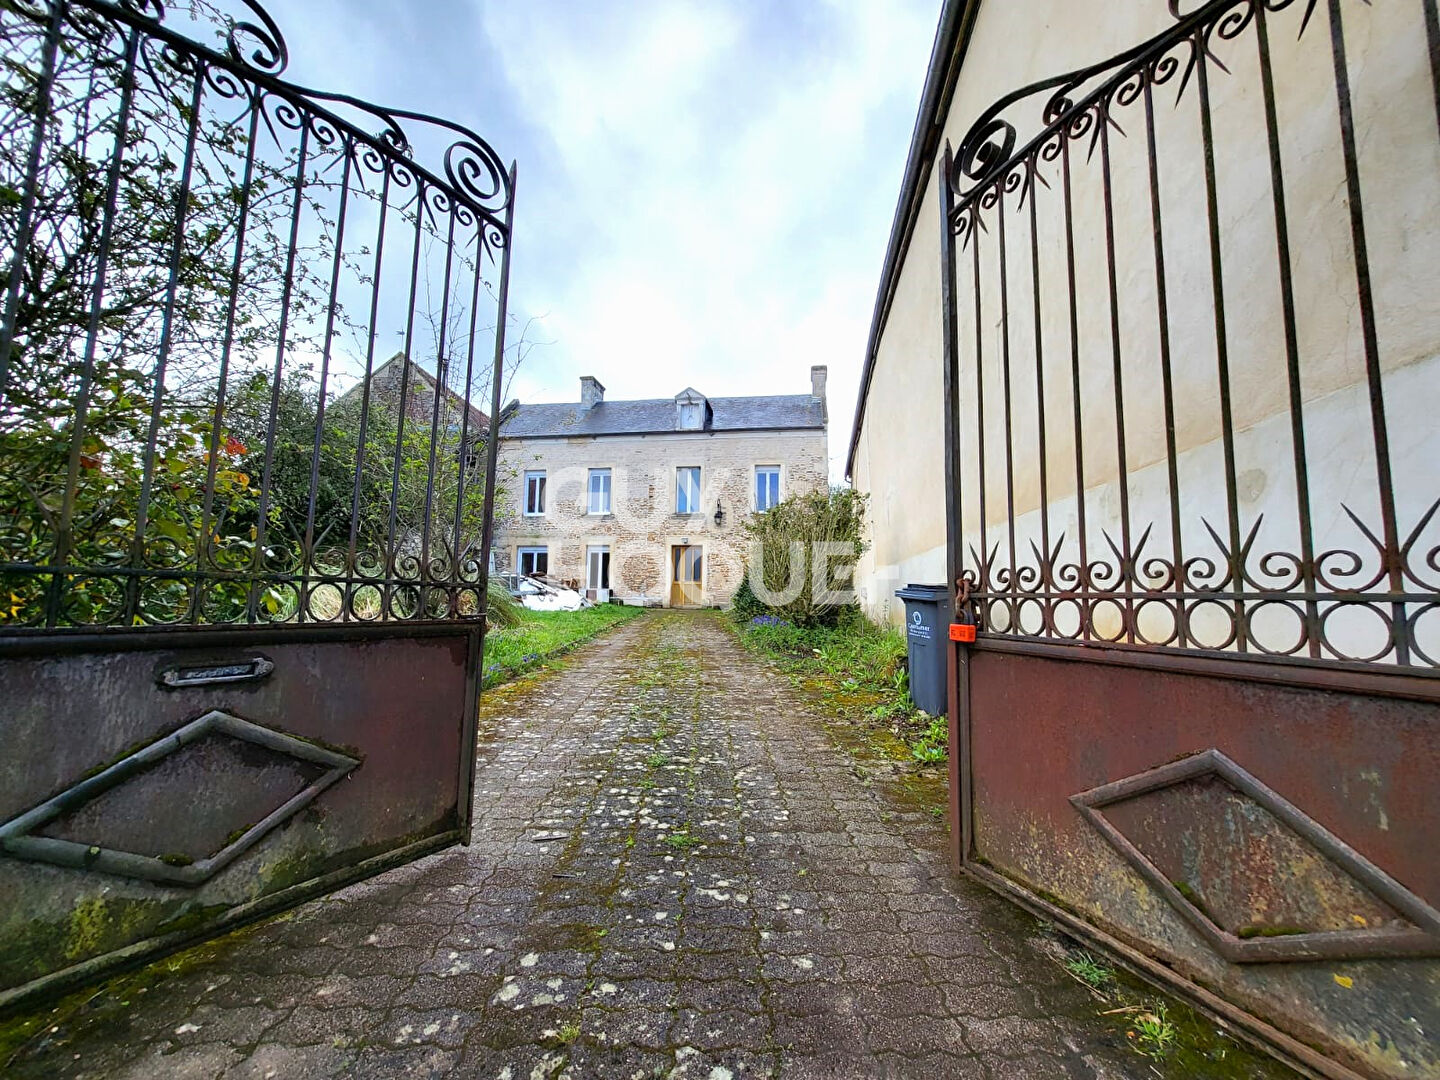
[[728, 900], [446, 1028], [242, 1026], [308, 1026], [274, 1061]]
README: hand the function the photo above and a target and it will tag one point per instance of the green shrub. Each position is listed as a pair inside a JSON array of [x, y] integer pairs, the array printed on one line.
[[745, 605], [784, 542], [501, 609]]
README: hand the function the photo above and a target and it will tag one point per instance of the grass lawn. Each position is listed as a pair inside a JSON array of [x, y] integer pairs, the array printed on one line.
[[542, 635]]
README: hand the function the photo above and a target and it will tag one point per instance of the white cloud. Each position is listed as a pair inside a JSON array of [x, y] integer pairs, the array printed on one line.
[[728, 189], [705, 188]]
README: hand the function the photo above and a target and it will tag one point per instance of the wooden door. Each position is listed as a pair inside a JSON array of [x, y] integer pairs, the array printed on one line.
[[686, 566]]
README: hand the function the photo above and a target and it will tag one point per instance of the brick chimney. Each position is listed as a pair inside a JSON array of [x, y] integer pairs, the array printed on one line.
[[591, 392], [817, 385]]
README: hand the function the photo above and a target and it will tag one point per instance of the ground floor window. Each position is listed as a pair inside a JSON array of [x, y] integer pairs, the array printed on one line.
[[534, 560]]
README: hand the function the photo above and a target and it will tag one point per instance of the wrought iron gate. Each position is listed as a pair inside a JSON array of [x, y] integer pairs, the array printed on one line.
[[1191, 382], [245, 496]]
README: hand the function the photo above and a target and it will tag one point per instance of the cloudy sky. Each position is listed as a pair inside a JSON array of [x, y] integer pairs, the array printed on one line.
[[705, 188]]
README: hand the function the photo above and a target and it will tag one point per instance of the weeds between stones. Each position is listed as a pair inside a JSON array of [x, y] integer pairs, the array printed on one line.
[[1184, 1041], [681, 840], [1089, 970]]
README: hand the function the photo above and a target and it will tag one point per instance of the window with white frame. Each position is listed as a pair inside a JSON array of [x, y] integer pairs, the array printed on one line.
[[599, 492], [767, 486], [533, 560], [687, 489], [535, 492]]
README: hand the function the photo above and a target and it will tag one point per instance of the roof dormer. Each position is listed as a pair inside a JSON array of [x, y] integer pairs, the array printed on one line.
[[691, 410]]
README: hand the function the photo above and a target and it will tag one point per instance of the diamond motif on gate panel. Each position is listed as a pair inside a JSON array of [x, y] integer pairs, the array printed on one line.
[[1257, 878], [181, 809]]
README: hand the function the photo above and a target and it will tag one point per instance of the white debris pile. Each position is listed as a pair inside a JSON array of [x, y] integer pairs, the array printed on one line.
[[537, 594]]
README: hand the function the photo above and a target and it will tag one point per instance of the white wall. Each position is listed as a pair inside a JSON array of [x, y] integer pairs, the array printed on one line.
[[900, 453]]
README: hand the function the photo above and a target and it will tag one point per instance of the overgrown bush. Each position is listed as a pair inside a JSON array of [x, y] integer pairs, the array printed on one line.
[[787, 542], [744, 604], [501, 609]]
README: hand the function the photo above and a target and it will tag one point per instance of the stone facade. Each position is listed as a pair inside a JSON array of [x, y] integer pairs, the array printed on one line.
[[643, 529]]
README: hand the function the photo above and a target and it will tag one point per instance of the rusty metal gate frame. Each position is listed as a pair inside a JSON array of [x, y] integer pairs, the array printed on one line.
[[148, 627], [1015, 602]]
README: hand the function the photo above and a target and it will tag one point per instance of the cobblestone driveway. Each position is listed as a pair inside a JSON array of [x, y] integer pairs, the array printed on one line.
[[674, 874]]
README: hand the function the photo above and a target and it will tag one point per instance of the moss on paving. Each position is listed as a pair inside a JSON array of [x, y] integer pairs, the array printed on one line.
[[850, 673], [856, 674]]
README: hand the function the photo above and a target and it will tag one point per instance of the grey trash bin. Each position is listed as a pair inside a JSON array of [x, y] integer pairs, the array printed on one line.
[[927, 629]]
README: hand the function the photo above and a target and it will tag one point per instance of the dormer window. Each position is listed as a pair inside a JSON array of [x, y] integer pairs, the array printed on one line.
[[689, 410]]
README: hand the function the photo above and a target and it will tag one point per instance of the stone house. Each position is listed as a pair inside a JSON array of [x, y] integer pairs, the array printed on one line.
[[456, 419], [441, 457], [644, 501]]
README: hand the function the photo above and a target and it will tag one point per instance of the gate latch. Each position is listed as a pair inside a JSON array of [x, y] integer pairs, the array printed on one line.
[[963, 628]]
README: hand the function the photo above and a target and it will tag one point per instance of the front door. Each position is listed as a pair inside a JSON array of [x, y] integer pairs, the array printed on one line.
[[685, 565]]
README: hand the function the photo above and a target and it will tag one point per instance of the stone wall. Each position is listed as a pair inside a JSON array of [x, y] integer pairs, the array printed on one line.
[[643, 526]]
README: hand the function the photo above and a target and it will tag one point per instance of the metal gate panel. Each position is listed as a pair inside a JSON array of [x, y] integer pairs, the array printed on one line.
[[243, 542], [1190, 383], [1271, 842], [1359, 765], [341, 756]]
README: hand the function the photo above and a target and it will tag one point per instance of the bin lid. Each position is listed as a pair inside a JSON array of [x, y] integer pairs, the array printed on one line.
[[932, 593]]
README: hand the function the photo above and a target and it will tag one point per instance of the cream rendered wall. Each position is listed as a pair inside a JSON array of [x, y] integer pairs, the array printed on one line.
[[899, 455], [643, 525]]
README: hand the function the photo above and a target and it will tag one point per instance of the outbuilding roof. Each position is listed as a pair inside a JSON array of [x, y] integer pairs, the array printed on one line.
[[420, 379], [656, 416]]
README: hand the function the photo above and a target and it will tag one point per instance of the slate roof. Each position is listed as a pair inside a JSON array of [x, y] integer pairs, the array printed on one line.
[[656, 416]]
